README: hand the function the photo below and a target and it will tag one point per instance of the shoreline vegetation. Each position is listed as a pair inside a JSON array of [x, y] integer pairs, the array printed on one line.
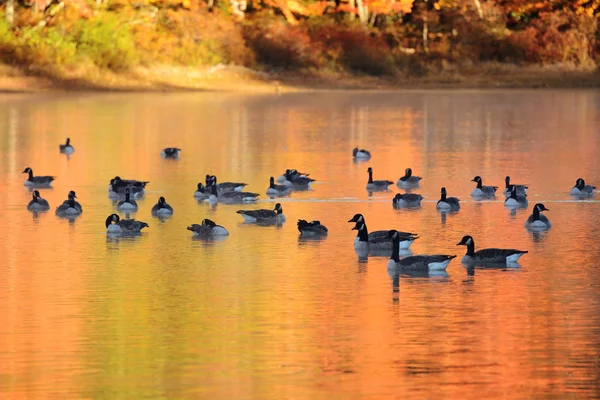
[[271, 46]]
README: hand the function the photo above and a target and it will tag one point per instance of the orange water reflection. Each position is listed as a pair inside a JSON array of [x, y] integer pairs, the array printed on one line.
[[264, 315]]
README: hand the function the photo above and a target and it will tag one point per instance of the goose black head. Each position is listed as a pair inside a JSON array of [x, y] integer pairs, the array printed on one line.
[[476, 179], [207, 179], [466, 241], [357, 218], [127, 190], [112, 218], [117, 178], [213, 179], [68, 141], [36, 195], [507, 181], [161, 200], [580, 184], [370, 170], [302, 223], [358, 226], [539, 207], [355, 151], [408, 172], [200, 187], [27, 171], [397, 197], [208, 222], [392, 234], [271, 182], [278, 209], [72, 193]]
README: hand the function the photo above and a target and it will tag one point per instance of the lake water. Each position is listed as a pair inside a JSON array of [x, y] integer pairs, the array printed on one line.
[[266, 315]]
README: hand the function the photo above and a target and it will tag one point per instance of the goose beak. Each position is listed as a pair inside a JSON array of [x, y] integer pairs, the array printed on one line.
[[459, 243], [354, 229]]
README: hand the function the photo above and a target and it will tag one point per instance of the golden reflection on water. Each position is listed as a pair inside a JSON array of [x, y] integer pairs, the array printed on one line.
[[263, 314]]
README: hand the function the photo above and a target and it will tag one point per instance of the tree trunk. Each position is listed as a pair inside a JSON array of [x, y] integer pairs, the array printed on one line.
[[363, 12], [10, 12], [478, 7], [353, 6]]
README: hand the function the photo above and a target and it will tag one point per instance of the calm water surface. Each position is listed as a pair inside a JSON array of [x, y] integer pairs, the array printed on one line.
[[266, 315]]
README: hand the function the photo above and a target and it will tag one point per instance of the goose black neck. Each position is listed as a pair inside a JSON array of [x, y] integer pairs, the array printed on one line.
[[536, 214], [370, 176], [68, 141], [395, 249], [363, 234], [278, 211], [443, 198], [127, 196], [30, 175], [471, 249], [108, 221], [513, 194], [479, 184]]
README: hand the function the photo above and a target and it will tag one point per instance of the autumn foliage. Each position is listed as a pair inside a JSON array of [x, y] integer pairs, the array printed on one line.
[[375, 37]]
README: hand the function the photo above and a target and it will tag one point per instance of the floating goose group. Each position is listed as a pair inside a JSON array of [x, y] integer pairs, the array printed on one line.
[[391, 241]]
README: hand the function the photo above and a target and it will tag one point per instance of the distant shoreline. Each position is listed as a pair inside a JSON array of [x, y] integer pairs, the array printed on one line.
[[234, 79]]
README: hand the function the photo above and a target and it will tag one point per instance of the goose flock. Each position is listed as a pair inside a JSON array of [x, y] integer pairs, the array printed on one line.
[[389, 242]]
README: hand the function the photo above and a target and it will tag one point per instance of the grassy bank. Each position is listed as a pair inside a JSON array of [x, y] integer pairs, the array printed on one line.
[[187, 45]]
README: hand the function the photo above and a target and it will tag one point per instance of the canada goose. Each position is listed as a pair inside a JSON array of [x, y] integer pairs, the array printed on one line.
[[483, 191], [277, 190], [118, 185], [69, 209], [37, 203], [66, 148], [128, 204], [170, 152], [313, 228], [162, 208], [283, 178], [262, 215], [73, 196], [208, 229], [516, 200], [447, 203], [521, 189], [296, 180], [379, 239], [238, 197], [37, 181], [407, 200], [213, 197], [123, 225], [582, 190], [435, 262], [361, 154], [225, 187], [538, 220], [376, 185], [201, 192], [488, 256], [409, 180]]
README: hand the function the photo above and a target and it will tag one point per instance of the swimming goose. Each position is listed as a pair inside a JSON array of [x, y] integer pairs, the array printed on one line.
[[521, 189], [73, 196], [128, 204], [213, 197], [488, 256], [37, 203], [170, 152], [69, 209], [516, 199], [225, 187], [483, 191], [283, 178], [376, 185], [538, 220], [447, 203], [123, 225], [262, 215], [582, 190], [118, 185], [408, 180], [313, 228], [208, 228], [296, 180], [361, 154], [434, 262], [378, 239], [277, 190], [238, 197], [201, 192], [162, 208], [66, 148], [407, 200], [43, 181]]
